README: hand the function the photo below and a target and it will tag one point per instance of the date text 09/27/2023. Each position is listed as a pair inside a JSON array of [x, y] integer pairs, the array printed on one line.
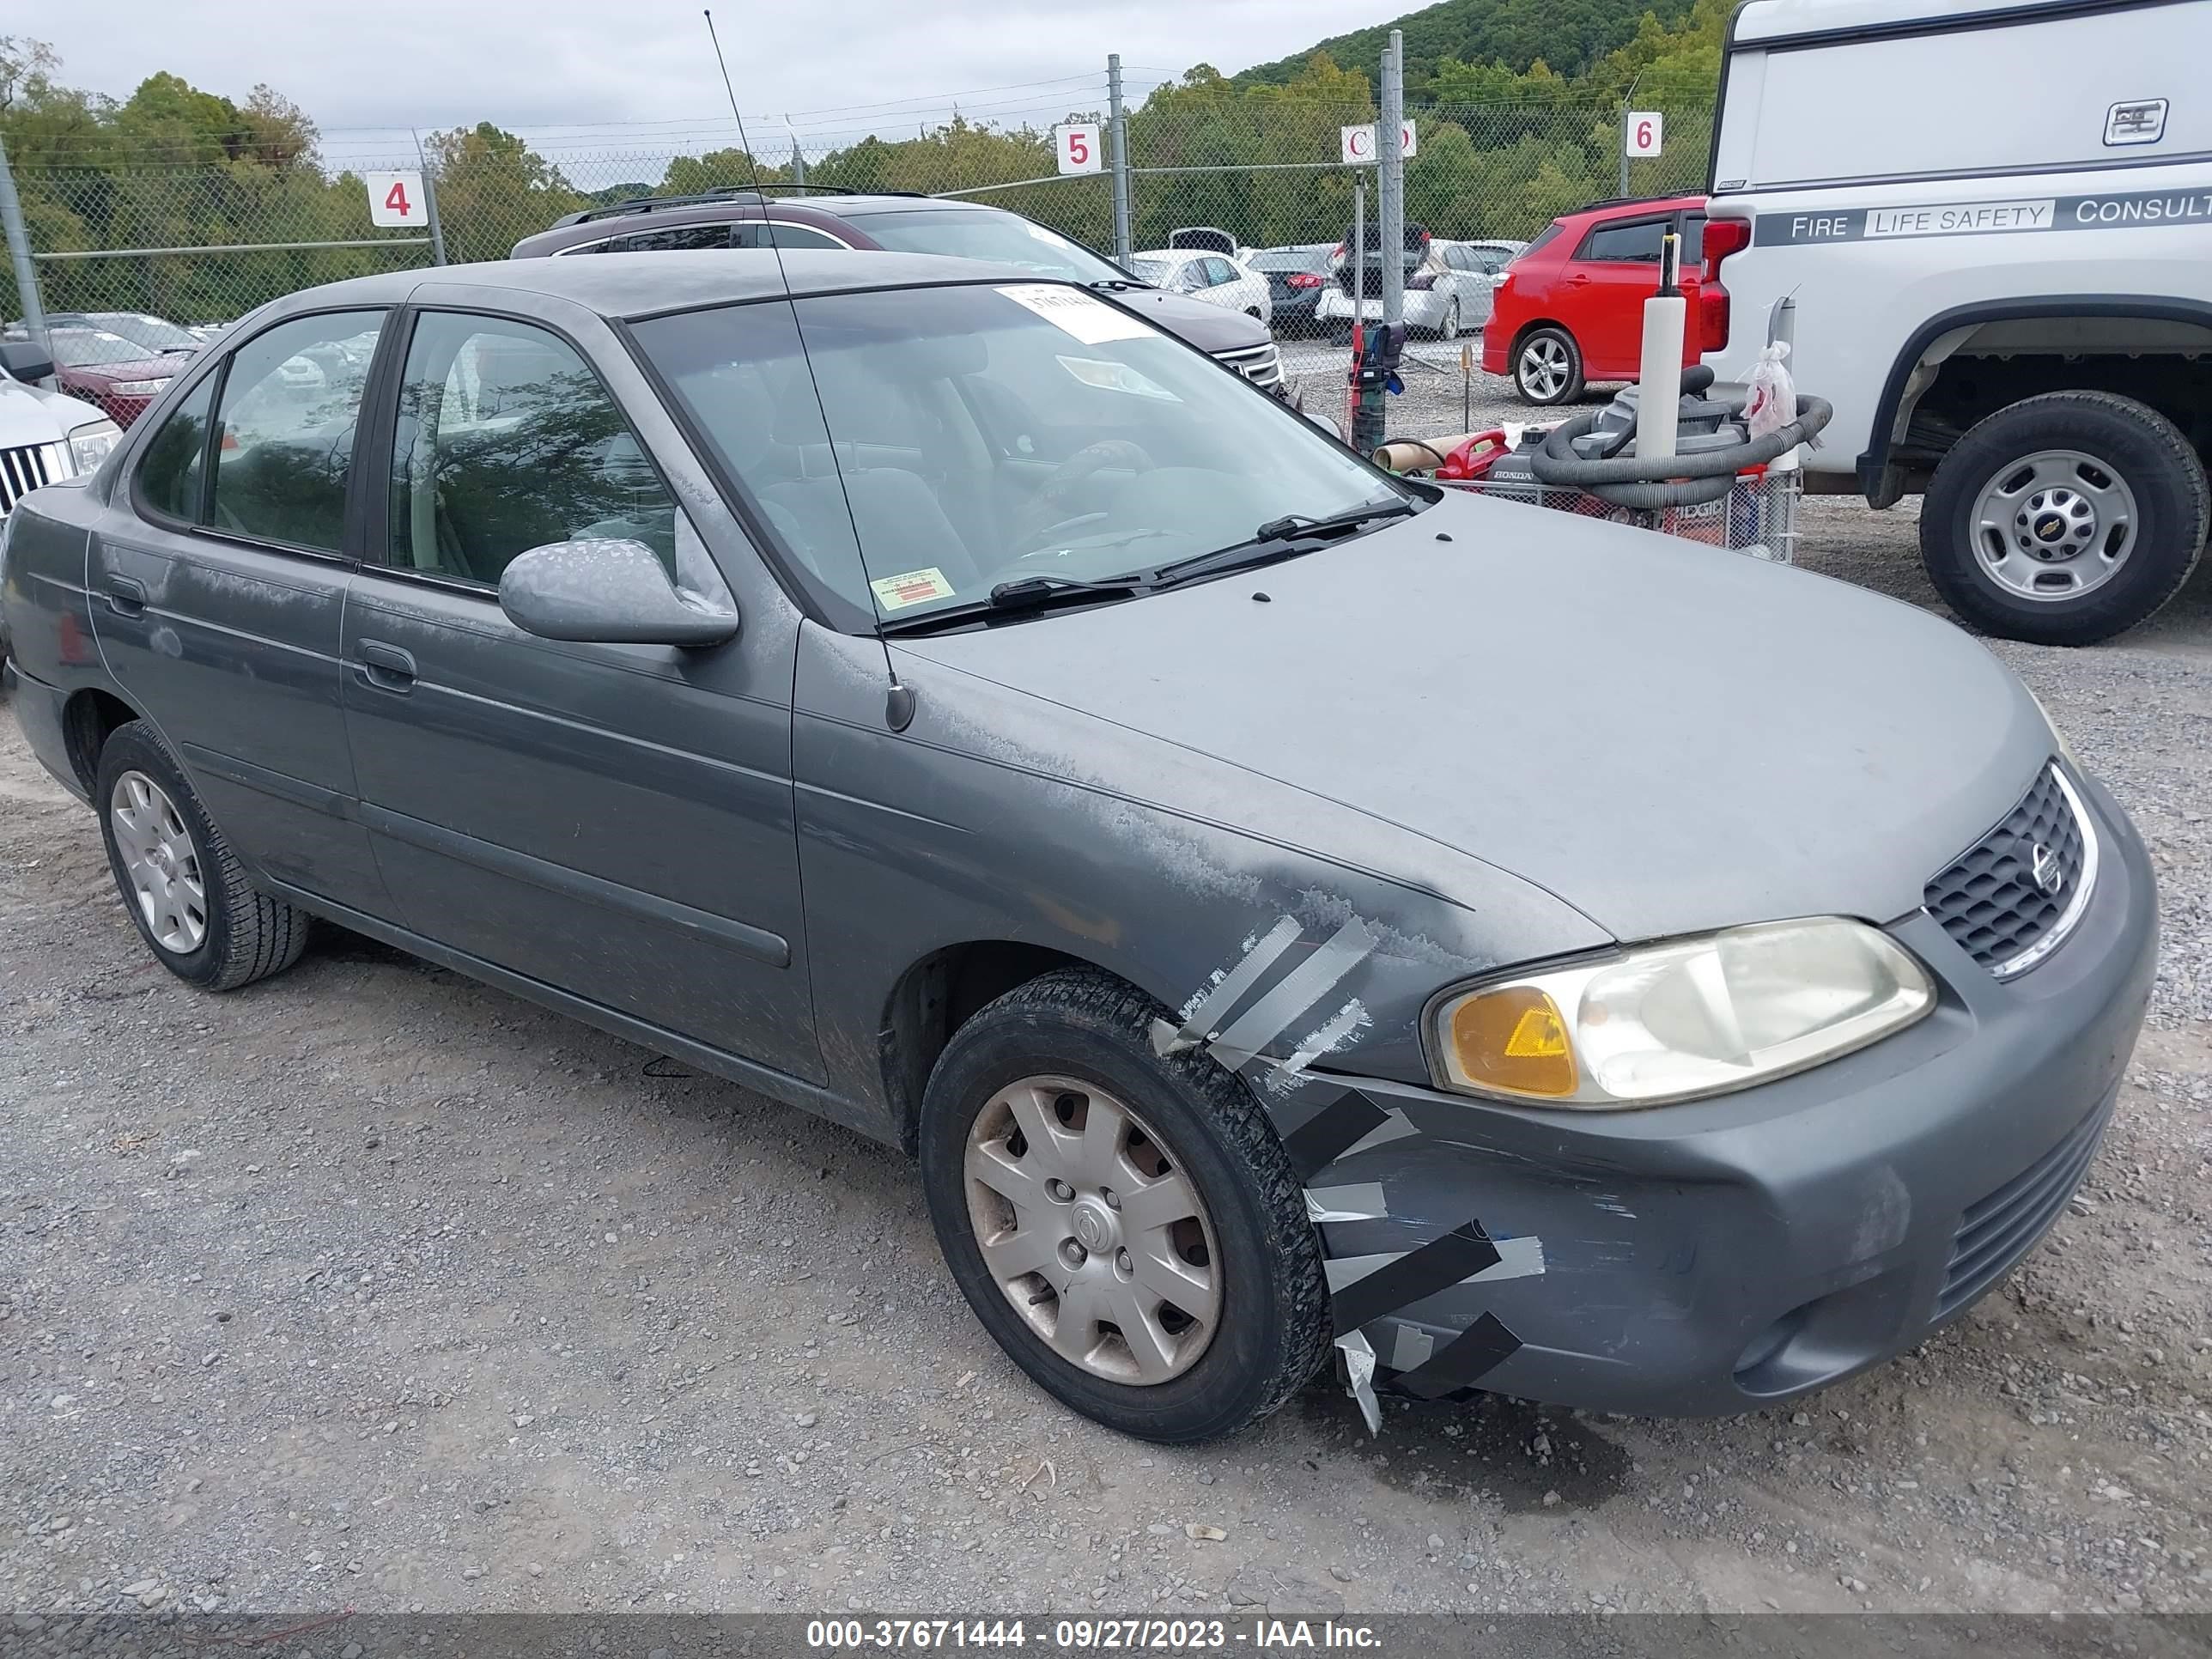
[[1262, 1636]]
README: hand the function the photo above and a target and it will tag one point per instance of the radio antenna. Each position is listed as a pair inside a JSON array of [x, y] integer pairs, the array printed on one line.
[[898, 707]]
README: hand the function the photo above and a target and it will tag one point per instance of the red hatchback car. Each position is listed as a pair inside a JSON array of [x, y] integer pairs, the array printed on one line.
[[1570, 308], [120, 376]]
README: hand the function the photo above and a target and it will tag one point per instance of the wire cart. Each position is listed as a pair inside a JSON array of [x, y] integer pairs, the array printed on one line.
[[1758, 516]]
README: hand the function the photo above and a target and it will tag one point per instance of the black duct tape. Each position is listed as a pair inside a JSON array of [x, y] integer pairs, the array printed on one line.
[[1330, 1132], [1438, 1265], [1464, 1361]]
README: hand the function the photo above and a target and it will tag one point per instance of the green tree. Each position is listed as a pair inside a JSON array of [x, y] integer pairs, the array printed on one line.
[[494, 190]]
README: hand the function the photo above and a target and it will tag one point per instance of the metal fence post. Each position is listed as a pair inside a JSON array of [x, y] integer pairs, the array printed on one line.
[[19, 253], [1390, 186], [798, 163], [1118, 119], [430, 205]]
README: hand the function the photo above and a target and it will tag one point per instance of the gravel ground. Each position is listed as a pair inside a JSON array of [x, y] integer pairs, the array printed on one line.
[[371, 1287]]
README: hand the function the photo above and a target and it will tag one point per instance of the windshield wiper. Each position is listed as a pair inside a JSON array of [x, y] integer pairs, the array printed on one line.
[[1281, 539], [1024, 593]]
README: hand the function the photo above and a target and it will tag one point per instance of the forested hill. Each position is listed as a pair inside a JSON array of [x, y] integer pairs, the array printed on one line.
[[1569, 36]]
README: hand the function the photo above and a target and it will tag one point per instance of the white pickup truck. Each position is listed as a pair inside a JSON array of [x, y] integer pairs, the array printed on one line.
[[1996, 219], [45, 436]]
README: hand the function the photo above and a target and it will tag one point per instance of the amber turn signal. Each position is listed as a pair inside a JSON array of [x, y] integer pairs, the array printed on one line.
[[1512, 1041]]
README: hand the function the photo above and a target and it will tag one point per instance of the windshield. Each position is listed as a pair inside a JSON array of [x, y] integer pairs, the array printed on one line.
[[1006, 239], [146, 331], [988, 435], [88, 348], [1154, 271]]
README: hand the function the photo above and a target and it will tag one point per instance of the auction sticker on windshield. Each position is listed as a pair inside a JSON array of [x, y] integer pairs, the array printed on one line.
[[1090, 319], [914, 588]]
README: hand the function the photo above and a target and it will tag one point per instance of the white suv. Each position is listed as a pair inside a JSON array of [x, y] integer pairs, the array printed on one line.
[[2007, 297]]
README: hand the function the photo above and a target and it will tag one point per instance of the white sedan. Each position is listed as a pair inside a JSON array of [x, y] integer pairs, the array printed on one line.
[[1213, 277], [1448, 288]]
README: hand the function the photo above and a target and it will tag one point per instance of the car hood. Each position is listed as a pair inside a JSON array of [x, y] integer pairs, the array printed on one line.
[[31, 415], [138, 369], [1666, 737], [1210, 328]]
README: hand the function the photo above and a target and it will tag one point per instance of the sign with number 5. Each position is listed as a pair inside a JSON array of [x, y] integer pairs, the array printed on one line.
[[1077, 144], [395, 199], [1641, 132]]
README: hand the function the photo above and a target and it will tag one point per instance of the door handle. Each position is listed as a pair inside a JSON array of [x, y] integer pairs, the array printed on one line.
[[1579, 281], [126, 596], [387, 667]]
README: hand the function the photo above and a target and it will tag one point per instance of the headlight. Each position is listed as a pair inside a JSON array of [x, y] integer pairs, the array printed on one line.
[[1682, 1020], [90, 444], [138, 388]]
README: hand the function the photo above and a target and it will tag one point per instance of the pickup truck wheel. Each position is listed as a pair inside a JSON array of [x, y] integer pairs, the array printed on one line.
[[1547, 367], [2065, 519], [1126, 1225], [185, 889]]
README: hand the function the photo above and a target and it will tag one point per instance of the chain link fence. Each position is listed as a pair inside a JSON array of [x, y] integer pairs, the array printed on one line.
[[205, 243]]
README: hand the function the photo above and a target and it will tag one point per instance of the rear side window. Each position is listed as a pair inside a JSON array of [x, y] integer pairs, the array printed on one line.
[[673, 239], [291, 399], [784, 235], [507, 440], [1636, 243], [1544, 238], [175, 461], [1693, 239]]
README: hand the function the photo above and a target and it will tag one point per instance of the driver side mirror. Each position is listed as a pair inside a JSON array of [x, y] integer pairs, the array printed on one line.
[[606, 592]]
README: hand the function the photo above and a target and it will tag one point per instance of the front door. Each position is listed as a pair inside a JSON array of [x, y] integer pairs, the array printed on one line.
[[216, 601], [614, 821]]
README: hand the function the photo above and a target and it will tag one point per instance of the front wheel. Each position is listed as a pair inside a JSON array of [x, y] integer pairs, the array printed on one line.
[[1126, 1225], [2064, 518], [1547, 367]]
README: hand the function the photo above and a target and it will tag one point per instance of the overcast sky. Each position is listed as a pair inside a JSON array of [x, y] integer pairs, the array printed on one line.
[[555, 63]]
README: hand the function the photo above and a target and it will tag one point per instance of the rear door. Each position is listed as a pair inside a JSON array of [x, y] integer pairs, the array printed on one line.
[[613, 821], [1603, 290], [217, 587]]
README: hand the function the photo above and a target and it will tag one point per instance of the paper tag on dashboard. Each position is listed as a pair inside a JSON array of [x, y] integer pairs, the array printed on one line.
[[915, 587], [1085, 316]]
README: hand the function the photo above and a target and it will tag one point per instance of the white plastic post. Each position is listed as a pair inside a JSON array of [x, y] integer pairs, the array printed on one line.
[[1660, 382]]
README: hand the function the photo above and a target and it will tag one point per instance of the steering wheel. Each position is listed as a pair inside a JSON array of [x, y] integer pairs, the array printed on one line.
[[1046, 516]]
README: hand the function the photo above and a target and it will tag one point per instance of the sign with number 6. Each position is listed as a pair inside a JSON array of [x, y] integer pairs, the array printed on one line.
[[395, 199], [1077, 147], [1640, 133]]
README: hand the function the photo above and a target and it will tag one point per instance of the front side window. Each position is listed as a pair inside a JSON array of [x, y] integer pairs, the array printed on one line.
[[948, 439], [507, 440], [176, 459], [778, 234], [291, 399], [1636, 244]]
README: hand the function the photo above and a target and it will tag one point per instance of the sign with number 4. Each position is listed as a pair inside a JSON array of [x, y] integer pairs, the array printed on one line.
[[1078, 148], [1641, 132], [395, 200]]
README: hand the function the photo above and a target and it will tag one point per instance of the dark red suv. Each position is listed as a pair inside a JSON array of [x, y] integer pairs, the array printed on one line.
[[1570, 308]]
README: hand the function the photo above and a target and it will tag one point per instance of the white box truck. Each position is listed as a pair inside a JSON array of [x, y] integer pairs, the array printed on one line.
[[1995, 220]]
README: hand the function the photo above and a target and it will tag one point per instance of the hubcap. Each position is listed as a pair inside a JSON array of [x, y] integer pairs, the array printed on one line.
[[1450, 329], [159, 862], [1544, 366], [1093, 1231], [2054, 525]]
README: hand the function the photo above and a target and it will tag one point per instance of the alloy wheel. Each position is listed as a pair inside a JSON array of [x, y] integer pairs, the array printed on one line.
[[1544, 367], [1093, 1231]]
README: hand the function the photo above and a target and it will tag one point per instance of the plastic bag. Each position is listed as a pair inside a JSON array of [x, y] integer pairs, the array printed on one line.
[[1772, 403]]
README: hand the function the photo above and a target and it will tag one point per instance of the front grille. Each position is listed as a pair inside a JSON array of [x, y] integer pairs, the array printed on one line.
[[1262, 365], [23, 470], [2011, 899], [1994, 1234]]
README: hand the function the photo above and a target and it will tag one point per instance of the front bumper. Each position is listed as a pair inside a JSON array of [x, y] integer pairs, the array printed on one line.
[[1721, 1255]]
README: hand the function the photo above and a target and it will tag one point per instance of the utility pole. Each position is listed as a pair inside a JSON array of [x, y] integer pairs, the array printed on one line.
[[1390, 186], [1118, 124], [19, 253]]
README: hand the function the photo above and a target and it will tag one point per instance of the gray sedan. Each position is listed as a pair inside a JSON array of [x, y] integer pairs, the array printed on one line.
[[1288, 912]]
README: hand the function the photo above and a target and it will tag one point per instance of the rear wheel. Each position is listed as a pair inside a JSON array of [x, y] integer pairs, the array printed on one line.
[[1448, 328], [2064, 520], [186, 892], [1547, 367], [1126, 1225]]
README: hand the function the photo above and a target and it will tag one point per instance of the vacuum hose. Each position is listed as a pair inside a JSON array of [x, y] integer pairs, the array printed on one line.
[[1631, 481]]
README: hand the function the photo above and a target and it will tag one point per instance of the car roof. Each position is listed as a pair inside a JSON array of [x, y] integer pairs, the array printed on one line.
[[643, 284], [1632, 207]]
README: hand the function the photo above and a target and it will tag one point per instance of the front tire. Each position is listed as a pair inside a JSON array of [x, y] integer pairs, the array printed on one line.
[[186, 892], [1547, 367], [2064, 518], [1126, 1225]]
